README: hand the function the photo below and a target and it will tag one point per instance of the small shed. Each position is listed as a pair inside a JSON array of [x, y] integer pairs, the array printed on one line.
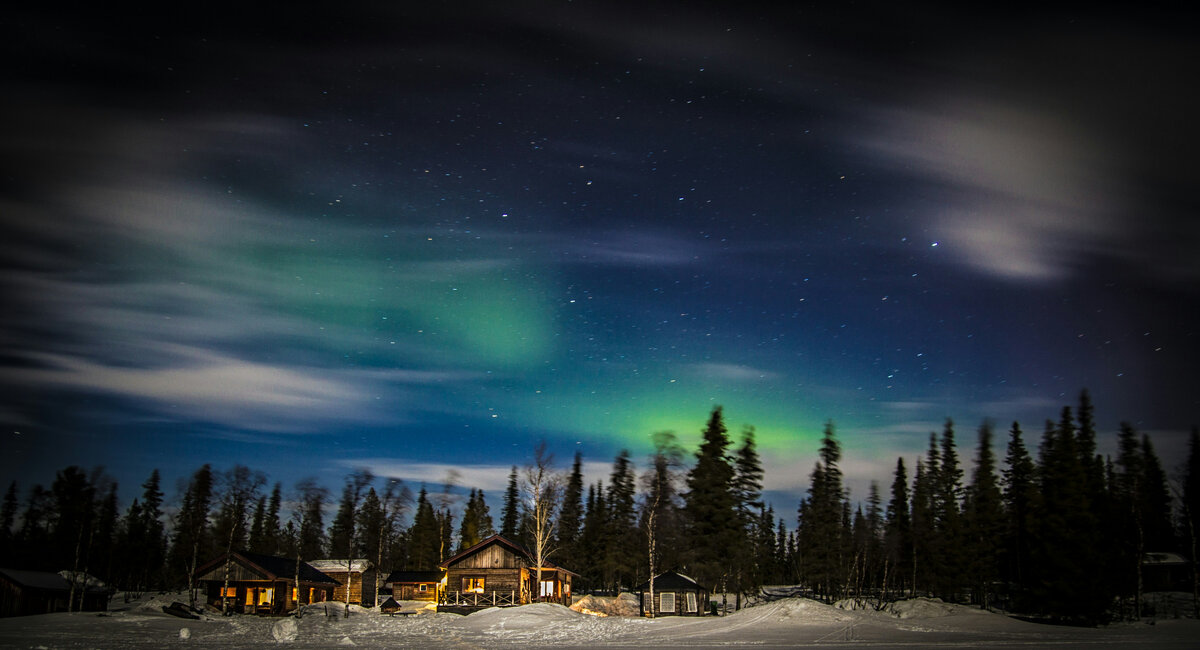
[[498, 572], [352, 575], [415, 585], [262, 584], [23, 593], [674, 595]]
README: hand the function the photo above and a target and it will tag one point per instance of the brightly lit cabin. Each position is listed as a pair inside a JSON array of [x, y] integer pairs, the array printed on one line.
[[498, 572], [262, 584]]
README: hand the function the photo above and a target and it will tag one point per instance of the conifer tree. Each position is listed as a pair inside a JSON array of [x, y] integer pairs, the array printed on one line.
[[310, 518], [924, 532], [984, 520], [510, 514], [8, 517], [191, 528], [747, 487], [1156, 502], [271, 528], [591, 537], [1020, 502], [824, 523], [570, 516], [898, 533], [424, 536], [711, 507], [620, 553], [1190, 521], [256, 543]]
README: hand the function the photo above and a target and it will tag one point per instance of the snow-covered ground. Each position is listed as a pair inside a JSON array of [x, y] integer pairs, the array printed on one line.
[[788, 622]]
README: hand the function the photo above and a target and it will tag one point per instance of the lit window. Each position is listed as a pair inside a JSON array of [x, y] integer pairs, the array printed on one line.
[[231, 592], [666, 602], [691, 601], [546, 590], [473, 585], [295, 594], [266, 596]]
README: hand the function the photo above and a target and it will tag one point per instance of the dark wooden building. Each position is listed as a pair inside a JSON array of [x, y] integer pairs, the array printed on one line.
[[415, 585], [23, 593], [498, 572], [262, 584], [674, 595], [352, 575]]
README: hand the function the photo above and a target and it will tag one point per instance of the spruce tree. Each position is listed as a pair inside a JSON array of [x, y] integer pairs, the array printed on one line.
[[898, 534], [570, 516], [984, 521], [1190, 519], [620, 553], [424, 536], [711, 507], [510, 514], [1020, 502], [191, 529], [8, 517]]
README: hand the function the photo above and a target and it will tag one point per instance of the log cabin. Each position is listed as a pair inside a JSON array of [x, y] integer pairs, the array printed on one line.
[[350, 574], [40, 592], [414, 585], [674, 595], [262, 584], [498, 572]]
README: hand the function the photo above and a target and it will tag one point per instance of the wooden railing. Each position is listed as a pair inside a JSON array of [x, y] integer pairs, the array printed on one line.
[[476, 599]]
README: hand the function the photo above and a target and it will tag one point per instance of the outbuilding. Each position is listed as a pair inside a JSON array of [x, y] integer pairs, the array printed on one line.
[[23, 593], [674, 595], [415, 585], [351, 575]]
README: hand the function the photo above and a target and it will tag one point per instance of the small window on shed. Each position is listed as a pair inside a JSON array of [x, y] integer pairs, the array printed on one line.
[[666, 602], [423, 587]]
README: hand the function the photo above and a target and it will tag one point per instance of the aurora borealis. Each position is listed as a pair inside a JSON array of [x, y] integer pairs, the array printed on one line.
[[425, 238]]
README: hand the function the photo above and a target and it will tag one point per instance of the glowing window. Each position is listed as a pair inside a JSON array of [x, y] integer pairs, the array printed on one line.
[[231, 592], [266, 596], [691, 601], [666, 602], [546, 590], [473, 585]]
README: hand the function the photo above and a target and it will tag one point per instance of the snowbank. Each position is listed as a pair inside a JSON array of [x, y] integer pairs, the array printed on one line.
[[624, 605], [920, 608]]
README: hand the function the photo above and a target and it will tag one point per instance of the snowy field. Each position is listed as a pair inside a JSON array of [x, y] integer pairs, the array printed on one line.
[[791, 622]]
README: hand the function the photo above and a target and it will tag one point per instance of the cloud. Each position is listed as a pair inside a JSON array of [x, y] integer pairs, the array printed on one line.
[[1023, 194], [730, 372], [491, 478]]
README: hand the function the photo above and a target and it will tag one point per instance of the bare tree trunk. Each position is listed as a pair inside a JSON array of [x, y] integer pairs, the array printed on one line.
[[299, 611], [192, 573]]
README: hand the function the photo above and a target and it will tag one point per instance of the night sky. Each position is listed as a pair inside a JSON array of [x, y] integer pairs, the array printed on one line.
[[416, 236]]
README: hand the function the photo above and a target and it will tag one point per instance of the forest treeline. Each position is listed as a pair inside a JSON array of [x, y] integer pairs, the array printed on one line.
[[1059, 534]]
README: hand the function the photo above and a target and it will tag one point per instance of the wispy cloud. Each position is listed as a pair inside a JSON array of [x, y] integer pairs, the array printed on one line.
[[1025, 195]]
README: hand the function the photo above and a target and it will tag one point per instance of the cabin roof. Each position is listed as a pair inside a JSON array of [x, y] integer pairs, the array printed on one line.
[[671, 580], [414, 576], [272, 567], [339, 566], [512, 546]]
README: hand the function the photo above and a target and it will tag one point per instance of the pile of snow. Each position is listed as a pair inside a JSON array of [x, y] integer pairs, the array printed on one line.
[[624, 605], [920, 608], [285, 630]]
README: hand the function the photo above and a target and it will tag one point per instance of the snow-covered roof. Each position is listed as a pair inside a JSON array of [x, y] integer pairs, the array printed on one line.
[[336, 565]]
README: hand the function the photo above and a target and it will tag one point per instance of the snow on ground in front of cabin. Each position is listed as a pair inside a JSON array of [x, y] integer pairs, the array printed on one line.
[[788, 622]]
